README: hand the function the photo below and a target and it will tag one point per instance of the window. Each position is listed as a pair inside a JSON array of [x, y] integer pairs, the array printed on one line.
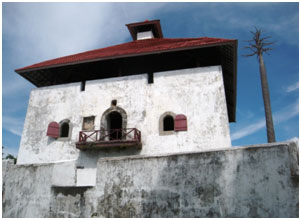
[[168, 123], [88, 123], [60, 131], [64, 129]]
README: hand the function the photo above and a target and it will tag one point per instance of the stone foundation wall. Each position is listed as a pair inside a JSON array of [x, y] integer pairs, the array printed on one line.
[[254, 181]]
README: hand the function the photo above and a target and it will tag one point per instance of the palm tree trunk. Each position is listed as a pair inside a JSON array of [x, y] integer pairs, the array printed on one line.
[[266, 101]]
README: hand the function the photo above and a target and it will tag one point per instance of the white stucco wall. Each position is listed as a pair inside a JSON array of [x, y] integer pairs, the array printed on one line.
[[86, 177], [64, 174], [197, 93]]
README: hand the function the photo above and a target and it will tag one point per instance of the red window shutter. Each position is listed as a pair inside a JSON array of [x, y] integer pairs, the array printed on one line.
[[180, 123], [53, 130]]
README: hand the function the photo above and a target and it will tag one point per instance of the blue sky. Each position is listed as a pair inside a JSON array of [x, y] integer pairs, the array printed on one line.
[[34, 32]]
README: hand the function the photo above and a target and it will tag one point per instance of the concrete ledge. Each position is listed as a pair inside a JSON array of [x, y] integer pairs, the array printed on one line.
[[237, 148]]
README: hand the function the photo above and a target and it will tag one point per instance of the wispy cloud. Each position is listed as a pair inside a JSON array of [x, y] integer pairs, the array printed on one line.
[[287, 112], [280, 116], [250, 129], [284, 27], [50, 30], [13, 125], [292, 87]]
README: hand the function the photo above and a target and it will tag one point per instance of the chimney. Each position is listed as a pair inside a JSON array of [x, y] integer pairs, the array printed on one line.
[[145, 30]]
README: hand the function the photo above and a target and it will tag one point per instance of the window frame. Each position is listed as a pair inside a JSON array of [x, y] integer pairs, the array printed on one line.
[[161, 124], [87, 117], [69, 132]]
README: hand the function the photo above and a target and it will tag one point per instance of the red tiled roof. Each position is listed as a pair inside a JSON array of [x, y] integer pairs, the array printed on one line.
[[133, 48]]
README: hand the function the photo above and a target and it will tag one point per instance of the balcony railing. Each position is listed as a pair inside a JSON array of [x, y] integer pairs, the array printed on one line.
[[99, 139]]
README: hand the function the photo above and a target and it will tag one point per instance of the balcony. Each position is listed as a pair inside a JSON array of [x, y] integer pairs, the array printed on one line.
[[114, 138]]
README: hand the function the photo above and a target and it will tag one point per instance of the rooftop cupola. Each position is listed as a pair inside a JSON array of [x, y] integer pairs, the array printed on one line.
[[145, 30]]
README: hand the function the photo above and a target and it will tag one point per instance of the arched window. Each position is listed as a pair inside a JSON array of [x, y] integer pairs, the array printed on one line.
[[60, 131], [64, 129], [168, 123]]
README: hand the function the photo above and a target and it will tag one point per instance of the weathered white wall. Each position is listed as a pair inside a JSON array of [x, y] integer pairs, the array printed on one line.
[[197, 93], [254, 181], [64, 174], [86, 177], [26, 190]]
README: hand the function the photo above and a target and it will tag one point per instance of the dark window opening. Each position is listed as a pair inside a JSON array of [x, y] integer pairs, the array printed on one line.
[[64, 130], [82, 86], [115, 125], [150, 78], [168, 123]]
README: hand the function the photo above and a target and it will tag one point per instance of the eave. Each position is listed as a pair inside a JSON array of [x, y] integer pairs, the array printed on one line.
[[114, 66]]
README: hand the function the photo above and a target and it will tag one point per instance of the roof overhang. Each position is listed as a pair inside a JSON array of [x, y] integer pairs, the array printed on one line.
[[21, 70], [114, 66]]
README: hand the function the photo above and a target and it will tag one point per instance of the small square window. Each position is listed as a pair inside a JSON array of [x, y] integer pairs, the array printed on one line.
[[88, 123]]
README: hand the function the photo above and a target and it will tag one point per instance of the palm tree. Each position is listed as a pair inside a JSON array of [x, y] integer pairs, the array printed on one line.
[[258, 46]]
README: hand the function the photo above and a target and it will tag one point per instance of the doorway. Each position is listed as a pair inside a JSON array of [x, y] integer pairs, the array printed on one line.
[[114, 122]]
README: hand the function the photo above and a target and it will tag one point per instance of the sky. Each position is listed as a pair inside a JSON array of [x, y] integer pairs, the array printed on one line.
[[34, 32]]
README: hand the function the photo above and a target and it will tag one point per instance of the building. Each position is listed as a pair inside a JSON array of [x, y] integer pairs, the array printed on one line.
[[141, 129], [149, 96]]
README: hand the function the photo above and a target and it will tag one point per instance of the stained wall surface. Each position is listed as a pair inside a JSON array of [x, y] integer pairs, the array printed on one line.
[[197, 93], [254, 181]]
